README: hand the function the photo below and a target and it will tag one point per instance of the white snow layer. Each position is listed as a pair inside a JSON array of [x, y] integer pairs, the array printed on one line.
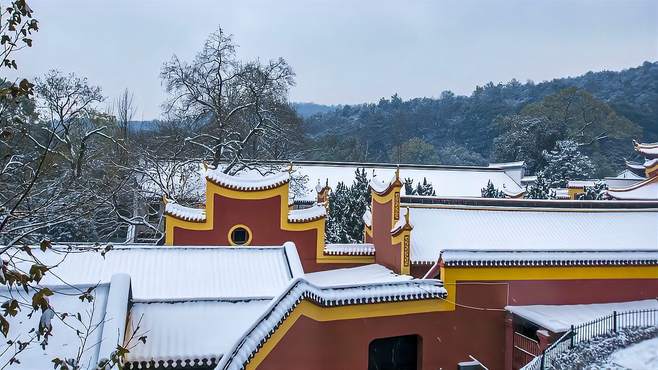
[[645, 190], [359, 249], [168, 273], [640, 356], [559, 318], [65, 342], [248, 181], [445, 228], [185, 213], [367, 274], [301, 289], [547, 258], [194, 330], [467, 182], [307, 214]]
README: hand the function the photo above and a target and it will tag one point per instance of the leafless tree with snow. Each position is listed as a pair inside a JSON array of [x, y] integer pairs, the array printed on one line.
[[238, 109]]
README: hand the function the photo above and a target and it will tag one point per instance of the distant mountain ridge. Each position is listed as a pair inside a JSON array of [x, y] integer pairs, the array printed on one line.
[[466, 123]]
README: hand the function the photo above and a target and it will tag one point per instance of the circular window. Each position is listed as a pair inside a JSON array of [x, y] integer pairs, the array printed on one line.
[[239, 235]]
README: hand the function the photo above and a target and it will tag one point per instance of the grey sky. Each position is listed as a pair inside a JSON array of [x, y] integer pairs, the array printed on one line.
[[346, 51]]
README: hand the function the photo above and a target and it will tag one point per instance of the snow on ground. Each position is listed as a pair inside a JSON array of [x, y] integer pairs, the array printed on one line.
[[641, 356], [597, 354]]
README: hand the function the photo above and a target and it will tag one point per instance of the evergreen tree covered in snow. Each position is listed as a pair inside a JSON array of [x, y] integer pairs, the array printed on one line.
[[346, 208], [425, 188], [596, 192], [541, 189], [565, 163], [490, 191]]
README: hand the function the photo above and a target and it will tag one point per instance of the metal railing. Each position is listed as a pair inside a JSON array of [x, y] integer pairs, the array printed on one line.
[[586, 331]]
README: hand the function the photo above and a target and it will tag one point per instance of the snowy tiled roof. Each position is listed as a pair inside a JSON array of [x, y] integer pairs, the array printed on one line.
[[185, 213], [175, 273], [559, 318], [649, 150], [190, 333], [548, 258], [360, 249], [248, 181], [315, 212], [507, 164], [581, 183], [301, 289], [644, 190], [440, 228], [446, 180], [367, 274]]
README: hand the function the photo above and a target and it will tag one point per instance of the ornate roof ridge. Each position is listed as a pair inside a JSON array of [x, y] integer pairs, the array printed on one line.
[[266, 182]]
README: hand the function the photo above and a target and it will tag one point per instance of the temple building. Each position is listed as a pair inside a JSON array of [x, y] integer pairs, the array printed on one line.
[[646, 189], [247, 280]]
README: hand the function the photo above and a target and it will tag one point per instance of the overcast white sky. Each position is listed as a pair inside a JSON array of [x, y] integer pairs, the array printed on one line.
[[346, 51]]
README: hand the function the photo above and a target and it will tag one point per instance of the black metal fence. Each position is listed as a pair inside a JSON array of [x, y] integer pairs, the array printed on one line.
[[586, 331]]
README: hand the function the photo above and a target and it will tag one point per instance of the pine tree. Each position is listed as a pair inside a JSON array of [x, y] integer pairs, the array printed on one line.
[[409, 186], [541, 189], [565, 163], [490, 191], [424, 189], [596, 192], [346, 208]]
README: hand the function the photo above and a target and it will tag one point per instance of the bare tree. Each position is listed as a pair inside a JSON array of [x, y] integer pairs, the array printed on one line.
[[239, 109], [125, 111]]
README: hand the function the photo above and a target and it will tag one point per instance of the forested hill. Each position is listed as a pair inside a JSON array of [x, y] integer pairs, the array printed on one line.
[[456, 129]]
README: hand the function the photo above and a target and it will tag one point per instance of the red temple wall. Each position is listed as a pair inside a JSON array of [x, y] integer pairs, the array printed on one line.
[[386, 254], [447, 337]]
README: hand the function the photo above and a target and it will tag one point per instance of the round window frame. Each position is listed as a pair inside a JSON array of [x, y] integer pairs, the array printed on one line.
[[250, 235]]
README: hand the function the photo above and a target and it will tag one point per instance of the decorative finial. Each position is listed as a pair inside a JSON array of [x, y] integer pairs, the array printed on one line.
[[290, 167], [406, 217], [205, 165], [326, 184], [397, 172]]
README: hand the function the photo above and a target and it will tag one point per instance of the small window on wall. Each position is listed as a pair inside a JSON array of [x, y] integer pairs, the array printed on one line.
[[240, 235], [394, 353]]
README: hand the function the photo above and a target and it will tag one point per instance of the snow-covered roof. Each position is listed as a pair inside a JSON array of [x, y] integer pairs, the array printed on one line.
[[64, 343], [175, 273], [581, 183], [644, 190], [367, 274], [330, 295], [560, 193], [446, 180], [559, 318], [248, 181], [190, 333], [548, 258], [528, 179], [439, 228], [649, 150], [634, 165], [359, 249], [185, 213], [507, 164], [314, 212]]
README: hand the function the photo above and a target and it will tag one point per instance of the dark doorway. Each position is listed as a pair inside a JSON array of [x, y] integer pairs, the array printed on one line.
[[394, 353]]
